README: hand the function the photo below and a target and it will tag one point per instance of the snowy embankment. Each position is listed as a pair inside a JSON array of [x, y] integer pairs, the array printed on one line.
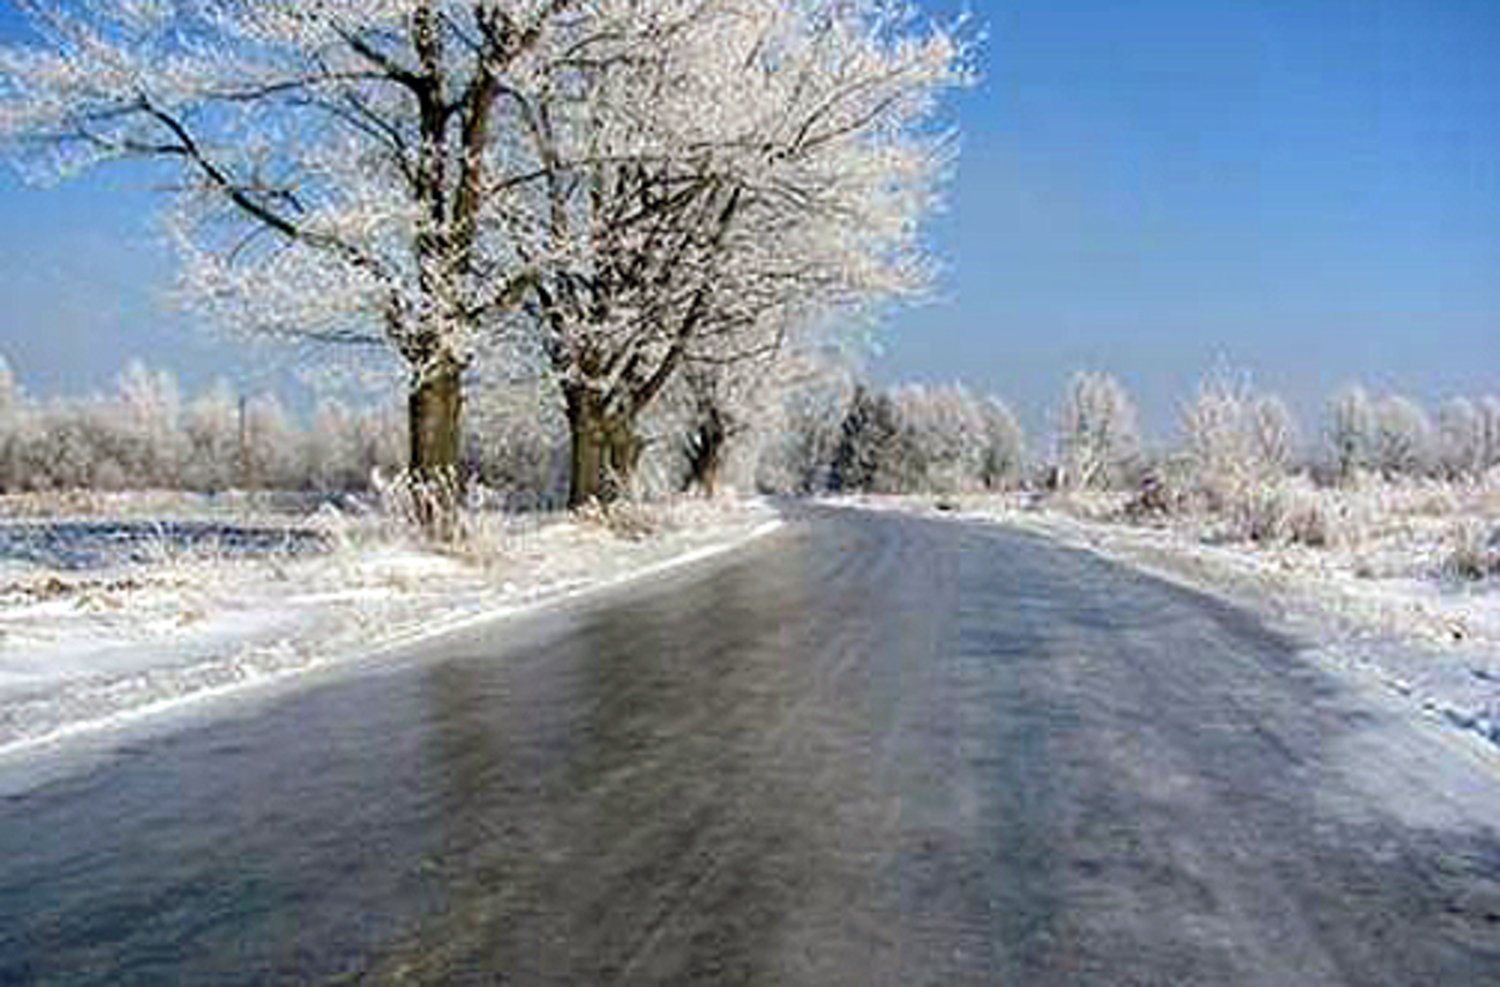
[[1384, 601], [86, 646]]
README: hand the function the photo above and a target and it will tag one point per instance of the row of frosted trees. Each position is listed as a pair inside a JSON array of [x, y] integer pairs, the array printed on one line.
[[815, 432], [625, 203], [145, 434], [1231, 437]]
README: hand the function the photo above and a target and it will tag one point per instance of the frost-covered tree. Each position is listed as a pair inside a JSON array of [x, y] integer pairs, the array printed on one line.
[[946, 426], [1276, 432], [1489, 411], [719, 404], [14, 420], [1403, 437], [1237, 438], [147, 436], [1352, 442], [269, 448], [10, 389], [344, 170], [330, 450], [408, 173], [751, 166], [1099, 439], [918, 439], [875, 453], [799, 454], [730, 410], [212, 426], [1003, 462], [1461, 439], [143, 434]]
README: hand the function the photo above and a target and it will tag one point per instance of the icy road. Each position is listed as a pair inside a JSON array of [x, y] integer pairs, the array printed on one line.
[[866, 750]]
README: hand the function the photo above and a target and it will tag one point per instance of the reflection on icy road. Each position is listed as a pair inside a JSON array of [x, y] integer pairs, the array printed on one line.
[[869, 750]]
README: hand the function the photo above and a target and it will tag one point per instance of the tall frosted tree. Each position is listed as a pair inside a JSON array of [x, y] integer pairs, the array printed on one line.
[[722, 175], [1099, 438], [340, 168]]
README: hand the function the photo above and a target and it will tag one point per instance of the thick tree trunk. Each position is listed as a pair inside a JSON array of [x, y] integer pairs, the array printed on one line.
[[605, 450], [586, 464], [706, 454], [435, 420]]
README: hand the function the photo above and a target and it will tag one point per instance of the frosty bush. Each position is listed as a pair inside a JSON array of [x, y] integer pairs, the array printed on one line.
[[1099, 440], [1473, 550], [1283, 512], [1237, 439]]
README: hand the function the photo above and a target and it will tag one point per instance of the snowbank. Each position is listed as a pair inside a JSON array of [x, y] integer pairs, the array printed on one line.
[[83, 650]]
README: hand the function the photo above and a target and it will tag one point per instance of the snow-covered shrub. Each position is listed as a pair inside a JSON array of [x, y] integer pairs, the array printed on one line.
[[1099, 440], [1289, 511], [1089, 505], [418, 508]]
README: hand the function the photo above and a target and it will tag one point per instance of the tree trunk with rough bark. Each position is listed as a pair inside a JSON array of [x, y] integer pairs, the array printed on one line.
[[435, 421], [605, 450]]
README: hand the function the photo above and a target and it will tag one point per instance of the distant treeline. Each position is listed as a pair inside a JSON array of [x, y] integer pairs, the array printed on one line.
[[145, 434], [916, 440], [828, 433]]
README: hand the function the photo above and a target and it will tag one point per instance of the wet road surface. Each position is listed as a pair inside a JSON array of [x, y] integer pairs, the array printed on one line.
[[866, 750]]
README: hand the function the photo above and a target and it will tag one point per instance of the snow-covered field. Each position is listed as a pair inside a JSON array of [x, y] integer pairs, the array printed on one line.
[[117, 617], [1391, 597]]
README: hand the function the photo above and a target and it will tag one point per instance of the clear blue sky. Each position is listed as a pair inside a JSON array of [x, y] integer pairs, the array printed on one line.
[[1306, 189]]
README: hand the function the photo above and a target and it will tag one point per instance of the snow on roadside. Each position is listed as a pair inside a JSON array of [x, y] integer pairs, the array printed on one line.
[[1382, 608], [82, 650]]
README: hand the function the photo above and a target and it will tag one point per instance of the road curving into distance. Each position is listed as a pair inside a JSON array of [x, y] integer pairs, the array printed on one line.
[[868, 749]]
